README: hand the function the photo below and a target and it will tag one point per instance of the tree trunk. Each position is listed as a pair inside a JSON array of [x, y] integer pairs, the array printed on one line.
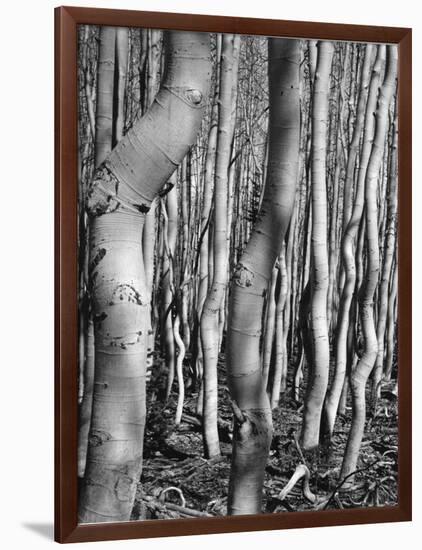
[[280, 333], [253, 424], [214, 299], [318, 375], [390, 244], [205, 223], [366, 363], [270, 319], [102, 147], [122, 44], [169, 213], [121, 194], [351, 227], [86, 404], [391, 324], [105, 94]]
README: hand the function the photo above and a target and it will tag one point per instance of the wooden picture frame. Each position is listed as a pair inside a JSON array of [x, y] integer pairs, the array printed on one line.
[[66, 316]]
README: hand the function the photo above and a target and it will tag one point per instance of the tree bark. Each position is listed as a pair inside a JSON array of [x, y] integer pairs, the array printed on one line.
[[318, 375], [366, 363], [105, 93], [122, 45], [170, 215], [366, 105], [253, 424], [390, 244], [121, 193], [214, 299], [280, 351]]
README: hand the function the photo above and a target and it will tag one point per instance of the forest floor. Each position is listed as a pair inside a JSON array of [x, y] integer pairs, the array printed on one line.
[[177, 481]]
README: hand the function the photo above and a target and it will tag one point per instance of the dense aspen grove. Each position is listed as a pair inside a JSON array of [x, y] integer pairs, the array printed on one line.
[[237, 274]]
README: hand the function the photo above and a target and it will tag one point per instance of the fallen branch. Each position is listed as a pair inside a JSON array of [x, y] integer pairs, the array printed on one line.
[[163, 506], [162, 497], [187, 511], [301, 471]]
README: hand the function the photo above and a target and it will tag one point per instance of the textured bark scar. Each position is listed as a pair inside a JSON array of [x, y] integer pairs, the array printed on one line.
[[191, 96], [126, 293], [242, 276], [123, 341], [255, 428], [103, 196], [103, 192], [194, 96], [124, 488], [98, 437]]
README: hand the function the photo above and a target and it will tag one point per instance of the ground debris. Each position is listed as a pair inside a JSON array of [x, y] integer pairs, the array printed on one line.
[[174, 457]]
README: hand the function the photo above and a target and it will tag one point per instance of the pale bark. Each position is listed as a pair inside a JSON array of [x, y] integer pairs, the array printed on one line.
[[86, 404], [179, 369], [269, 326], [253, 424], [148, 238], [318, 375], [351, 221], [149, 249], [169, 213], [122, 191], [88, 86], [280, 351], [391, 324], [205, 238], [215, 296], [366, 362], [390, 244], [122, 44], [102, 147], [105, 92]]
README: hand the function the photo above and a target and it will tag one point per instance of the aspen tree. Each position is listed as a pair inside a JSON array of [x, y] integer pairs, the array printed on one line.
[[280, 351], [253, 424], [318, 375], [214, 299], [148, 237], [361, 372], [104, 121], [363, 122], [390, 244], [270, 324], [121, 193], [391, 323], [105, 94], [170, 213], [205, 237], [121, 57]]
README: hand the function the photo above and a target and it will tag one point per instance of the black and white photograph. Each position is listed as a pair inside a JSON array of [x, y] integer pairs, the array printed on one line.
[[237, 274]]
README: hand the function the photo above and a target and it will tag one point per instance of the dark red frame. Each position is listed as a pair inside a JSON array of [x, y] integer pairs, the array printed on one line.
[[66, 318]]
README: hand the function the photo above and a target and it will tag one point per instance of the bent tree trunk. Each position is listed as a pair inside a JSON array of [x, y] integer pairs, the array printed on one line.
[[318, 370], [214, 300], [170, 215], [363, 369], [121, 193], [351, 227], [253, 423]]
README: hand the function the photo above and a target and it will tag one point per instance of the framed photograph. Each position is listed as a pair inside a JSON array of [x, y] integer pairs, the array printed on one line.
[[233, 274]]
